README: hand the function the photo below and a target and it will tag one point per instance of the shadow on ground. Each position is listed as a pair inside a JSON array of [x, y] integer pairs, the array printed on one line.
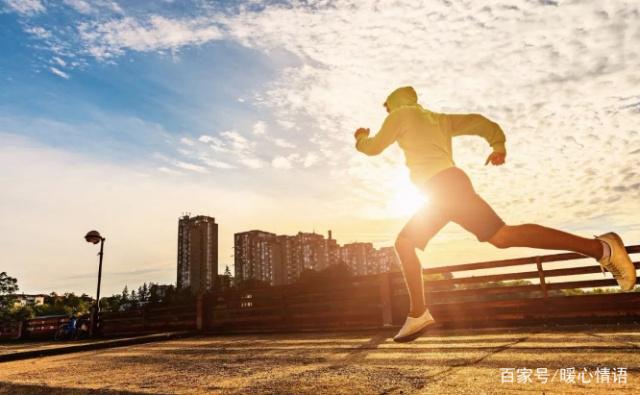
[[443, 362]]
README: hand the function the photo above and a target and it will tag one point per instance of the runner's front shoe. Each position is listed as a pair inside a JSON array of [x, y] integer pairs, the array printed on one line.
[[414, 327], [618, 261]]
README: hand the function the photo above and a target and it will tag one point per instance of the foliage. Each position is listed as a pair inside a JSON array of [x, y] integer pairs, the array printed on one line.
[[8, 285], [146, 295], [54, 304]]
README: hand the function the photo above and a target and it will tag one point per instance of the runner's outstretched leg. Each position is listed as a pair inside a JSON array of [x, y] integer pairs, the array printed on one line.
[[538, 236]]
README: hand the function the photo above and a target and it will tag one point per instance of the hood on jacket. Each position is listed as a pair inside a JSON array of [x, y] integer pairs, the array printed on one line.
[[404, 96]]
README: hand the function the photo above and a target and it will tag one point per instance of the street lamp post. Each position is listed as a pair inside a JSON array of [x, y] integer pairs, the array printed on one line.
[[95, 238]]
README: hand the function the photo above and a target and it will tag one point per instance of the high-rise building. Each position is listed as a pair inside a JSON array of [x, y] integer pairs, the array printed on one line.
[[310, 251], [356, 256], [197, 253], [383, 260], [288, 267], [255, 254]]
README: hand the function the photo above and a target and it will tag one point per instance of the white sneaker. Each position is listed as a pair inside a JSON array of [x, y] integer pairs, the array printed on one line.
[[414, 327], [618, 262]]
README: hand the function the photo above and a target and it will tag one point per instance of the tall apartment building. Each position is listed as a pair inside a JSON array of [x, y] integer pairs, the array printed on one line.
[[310, 251], [383, 260], [356, 256], [197, 253], [254, 256]]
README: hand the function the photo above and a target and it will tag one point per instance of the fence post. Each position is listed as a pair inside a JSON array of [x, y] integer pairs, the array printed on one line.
[[384, 280], [543, 283], [200, 312], [21, 325]]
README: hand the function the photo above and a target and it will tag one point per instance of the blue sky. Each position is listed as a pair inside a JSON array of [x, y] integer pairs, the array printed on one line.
[[121, 115]]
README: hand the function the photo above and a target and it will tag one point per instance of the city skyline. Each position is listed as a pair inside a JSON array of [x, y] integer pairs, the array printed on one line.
[[118, 116], [281, 259]]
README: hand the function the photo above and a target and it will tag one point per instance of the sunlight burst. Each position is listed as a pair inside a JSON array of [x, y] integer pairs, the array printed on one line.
[[406, 200]]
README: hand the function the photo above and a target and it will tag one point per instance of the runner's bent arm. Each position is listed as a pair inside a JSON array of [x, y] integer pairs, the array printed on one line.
[[479, 125], [388, 133]]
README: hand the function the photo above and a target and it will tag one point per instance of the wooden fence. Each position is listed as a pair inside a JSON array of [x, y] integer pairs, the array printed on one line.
[[458, 299], [10, 330], [465, 300], [152, 319]]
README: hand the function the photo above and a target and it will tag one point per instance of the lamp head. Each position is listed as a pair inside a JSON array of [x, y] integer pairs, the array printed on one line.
[[93, 236]]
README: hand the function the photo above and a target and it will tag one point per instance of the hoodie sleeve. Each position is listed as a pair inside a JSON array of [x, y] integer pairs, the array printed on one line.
[[388, 134], [478, 125]]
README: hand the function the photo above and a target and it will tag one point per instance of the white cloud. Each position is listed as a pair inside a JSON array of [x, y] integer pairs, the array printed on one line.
[[281, 162], [188, 141], [234, 148], [59, 72], [252, 163], [283, 143], [26, 7], [191, 167], [238, 142], [105, 40], [80, 6], [59, 61], [38, 31], [285, 162], [94, 6], [167, 170], [206, 139], [310, 159], [216, 163], [259, 128]]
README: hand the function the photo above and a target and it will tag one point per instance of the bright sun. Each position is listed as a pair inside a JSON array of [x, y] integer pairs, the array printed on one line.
[[406, 200]]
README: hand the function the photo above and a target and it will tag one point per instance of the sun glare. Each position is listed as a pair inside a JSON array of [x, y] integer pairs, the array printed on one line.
[[406, 200]]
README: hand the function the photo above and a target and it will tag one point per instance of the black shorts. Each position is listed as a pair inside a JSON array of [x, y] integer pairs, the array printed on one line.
[[451, 198]]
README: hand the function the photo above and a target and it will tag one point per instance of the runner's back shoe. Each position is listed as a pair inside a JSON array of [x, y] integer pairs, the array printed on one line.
[[618, 262], [414, 327]]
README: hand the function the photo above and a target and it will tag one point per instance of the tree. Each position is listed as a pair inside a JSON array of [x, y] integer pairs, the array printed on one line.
[[8, 285], [125, 294], [143, 293]]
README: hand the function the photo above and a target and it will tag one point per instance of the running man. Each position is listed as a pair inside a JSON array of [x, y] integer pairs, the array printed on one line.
[[425, 137]]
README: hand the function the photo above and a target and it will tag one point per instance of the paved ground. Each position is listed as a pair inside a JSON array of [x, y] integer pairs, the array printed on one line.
[[17, 347], [18, 350], [444, 362]]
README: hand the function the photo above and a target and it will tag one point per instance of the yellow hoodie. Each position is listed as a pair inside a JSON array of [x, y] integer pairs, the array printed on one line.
[[425, 136]]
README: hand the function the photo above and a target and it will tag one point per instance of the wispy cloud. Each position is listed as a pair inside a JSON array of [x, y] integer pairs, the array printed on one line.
[[105, 40], [25, 7], [59, 72], [190, 166], [259, 128], [94, 6]]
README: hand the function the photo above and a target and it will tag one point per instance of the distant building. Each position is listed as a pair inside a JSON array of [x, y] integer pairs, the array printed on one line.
[[383, 260], [287, 266], [254, 253], [356, 256], [197, 253], [23, 300], [310, 250], [281, 259]]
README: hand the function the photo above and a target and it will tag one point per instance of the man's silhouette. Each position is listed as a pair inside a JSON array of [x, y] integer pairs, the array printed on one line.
[[425, 137]]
